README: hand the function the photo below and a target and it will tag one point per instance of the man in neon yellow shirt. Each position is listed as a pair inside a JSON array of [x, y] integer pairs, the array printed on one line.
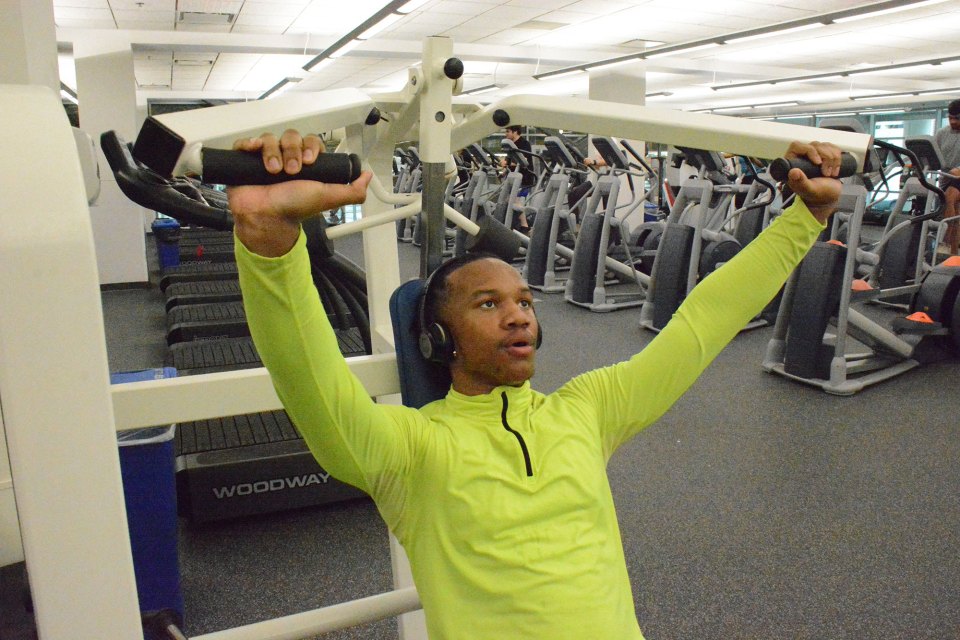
[[498, 493]]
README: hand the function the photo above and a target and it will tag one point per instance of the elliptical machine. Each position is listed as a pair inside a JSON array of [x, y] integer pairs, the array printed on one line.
[[805, 348], [699, 235], [540, 268], [586, 286]]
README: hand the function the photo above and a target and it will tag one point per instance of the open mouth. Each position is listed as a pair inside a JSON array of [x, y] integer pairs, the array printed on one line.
[[519, 347]]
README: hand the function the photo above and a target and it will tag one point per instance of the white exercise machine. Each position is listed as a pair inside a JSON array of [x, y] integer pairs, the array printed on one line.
[[60, 413]]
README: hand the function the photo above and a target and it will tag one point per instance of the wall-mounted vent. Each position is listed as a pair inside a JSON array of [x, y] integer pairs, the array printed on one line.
[[199, 17]]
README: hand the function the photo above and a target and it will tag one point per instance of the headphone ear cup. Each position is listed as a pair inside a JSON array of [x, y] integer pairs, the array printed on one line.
[[435, 344]]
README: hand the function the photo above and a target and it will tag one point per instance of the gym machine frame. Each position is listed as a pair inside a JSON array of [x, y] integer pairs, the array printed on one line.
[[59, 411]]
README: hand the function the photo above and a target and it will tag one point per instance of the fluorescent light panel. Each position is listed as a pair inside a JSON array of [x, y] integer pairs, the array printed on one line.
[[411, 6], [610, 65], [698, 47], [904, 94], [346, 48], [767, 34], [380, 26], [486, 89], [561, 74], [881, 12], [775, 29]]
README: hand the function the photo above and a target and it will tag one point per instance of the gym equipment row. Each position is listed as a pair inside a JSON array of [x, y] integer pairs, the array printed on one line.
[[236, 466]]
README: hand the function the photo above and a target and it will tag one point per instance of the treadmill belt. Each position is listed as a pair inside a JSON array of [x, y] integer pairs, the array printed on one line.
[[234, 431], [218, 291], [210, 312], [200, 436], [211, 356], [194, 271], [196, 288]]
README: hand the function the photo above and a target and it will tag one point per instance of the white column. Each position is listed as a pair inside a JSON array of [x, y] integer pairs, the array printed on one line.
[[28, 55], [626, 83], [54, 387], [28, 43], [106, 92]]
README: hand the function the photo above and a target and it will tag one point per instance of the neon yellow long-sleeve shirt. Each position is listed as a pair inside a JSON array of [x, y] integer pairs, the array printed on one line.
[[501, 500]]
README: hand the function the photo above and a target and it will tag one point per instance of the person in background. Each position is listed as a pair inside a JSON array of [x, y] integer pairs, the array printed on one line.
[[528, 178], [948, 140]]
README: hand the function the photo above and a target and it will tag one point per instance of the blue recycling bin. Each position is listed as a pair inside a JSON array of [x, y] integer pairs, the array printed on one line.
[[166, 235], [149, 489]]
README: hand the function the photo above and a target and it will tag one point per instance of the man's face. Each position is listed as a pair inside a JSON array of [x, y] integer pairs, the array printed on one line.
[[489, 311], [511, 135], [954, 122]]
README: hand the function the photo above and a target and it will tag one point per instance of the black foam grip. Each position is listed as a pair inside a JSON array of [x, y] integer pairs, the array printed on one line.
[[221, 166], [780, 167]]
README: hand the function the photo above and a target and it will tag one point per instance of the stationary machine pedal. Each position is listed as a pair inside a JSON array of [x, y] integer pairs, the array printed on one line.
[[918, 324]]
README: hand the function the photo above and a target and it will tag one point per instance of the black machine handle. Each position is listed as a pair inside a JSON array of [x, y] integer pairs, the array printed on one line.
[[780, 167], [221, 166]]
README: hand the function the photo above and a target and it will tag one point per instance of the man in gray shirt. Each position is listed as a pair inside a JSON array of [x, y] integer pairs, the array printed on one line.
[[948, 139]]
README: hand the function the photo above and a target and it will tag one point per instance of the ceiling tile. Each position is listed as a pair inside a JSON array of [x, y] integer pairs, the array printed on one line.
[[147, 17], [73, 13], [240, 28], [271, 9], [84, 4], [146, 5], [247, 19], [210, 6], [542, 5], [83, 23]]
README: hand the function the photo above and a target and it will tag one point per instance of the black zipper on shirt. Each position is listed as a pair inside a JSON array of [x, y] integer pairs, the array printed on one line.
[[523, 445]]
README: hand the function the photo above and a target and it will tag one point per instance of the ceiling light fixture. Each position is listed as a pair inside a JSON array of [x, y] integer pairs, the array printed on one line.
[[837, 74], [780, 28], [563, 73], [68, 94], [411, 6], [905, 94], [393, 7], [686, 48], [484, 89], [767, 34], [884, 11], [612, 63], [389, 14]]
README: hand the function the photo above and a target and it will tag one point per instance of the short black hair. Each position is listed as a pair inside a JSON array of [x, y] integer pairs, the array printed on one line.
[[954, 108], [515, 128], [436, 289]]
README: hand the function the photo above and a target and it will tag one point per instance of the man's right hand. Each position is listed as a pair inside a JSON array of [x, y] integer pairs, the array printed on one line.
[[267, 218]]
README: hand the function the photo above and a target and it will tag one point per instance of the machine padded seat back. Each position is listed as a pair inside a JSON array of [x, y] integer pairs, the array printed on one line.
[[421, 381]]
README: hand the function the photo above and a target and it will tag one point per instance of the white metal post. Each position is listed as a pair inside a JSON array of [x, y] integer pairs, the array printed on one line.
[[54, 385]]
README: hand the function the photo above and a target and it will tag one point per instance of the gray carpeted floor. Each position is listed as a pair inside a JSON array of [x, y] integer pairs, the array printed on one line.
[[755, 508]]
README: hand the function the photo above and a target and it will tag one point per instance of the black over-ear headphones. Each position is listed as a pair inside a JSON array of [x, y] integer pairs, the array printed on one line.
[[435, 340]]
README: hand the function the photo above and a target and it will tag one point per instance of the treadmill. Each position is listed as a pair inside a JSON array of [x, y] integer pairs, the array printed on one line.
[[249, 464]]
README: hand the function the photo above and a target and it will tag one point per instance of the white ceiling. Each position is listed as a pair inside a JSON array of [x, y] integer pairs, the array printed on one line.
[[238, 49]]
